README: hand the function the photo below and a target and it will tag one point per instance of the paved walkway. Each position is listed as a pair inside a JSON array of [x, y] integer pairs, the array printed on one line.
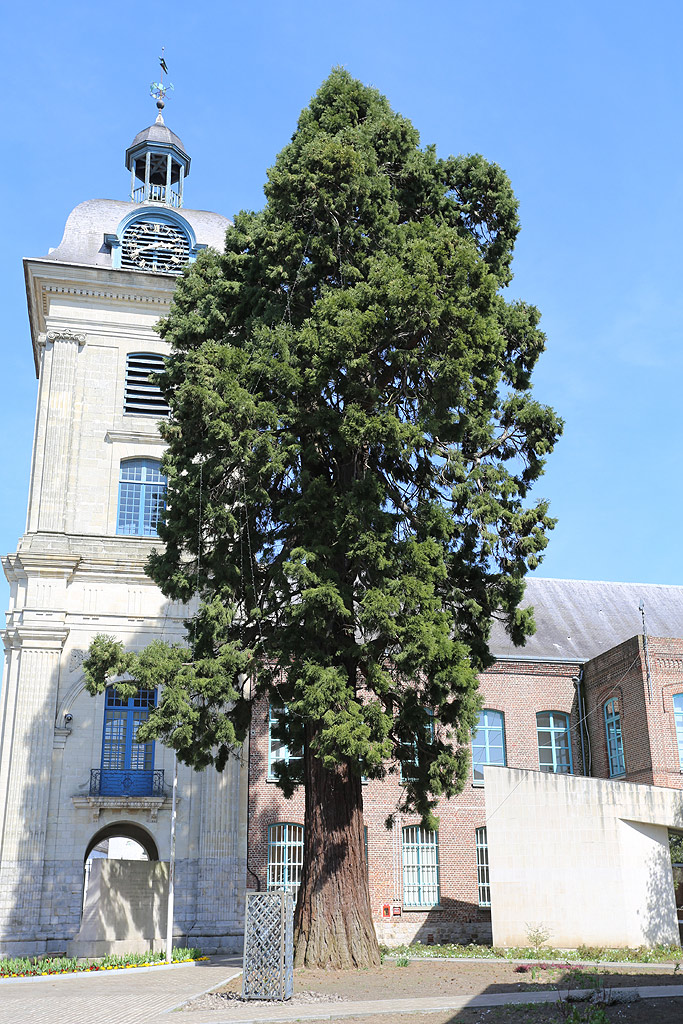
[[149, 997]]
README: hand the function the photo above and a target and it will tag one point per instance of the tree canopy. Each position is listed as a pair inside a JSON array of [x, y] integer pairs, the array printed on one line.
[[352, 442]]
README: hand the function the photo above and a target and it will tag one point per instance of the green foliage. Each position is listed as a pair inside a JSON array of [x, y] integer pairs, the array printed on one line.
[[21, 967], [676, 847], [352, 443], [659, 954]]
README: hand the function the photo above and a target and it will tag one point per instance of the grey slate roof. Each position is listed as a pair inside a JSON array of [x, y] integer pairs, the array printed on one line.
[[83, 240], [157, 133], [578, 619]]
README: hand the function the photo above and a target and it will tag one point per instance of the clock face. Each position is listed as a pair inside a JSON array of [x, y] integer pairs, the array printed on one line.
[[154, 245]]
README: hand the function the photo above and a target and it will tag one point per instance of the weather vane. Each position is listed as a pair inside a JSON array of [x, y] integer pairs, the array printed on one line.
[[157, 89]]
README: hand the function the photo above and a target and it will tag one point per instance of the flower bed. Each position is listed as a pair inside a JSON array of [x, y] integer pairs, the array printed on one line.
[[25, 967]]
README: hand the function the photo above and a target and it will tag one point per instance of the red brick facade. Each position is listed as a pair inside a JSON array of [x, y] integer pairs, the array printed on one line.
[[520, 690]]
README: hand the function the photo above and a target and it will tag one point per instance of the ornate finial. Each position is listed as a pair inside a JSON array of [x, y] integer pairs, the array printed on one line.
[[158, 90]]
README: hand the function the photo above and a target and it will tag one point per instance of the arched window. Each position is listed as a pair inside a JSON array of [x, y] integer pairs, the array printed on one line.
[[615, 743], [285, 857], [142, 497], [554, 745], [155, 241], [420, 851], [141, 397], [678, 719], [488, 743], [127, 766]]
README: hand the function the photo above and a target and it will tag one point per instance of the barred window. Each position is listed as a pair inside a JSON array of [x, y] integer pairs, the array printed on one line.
[[420, 867], [554, 746], [482, 848], [407, 774], [285, 857], [488, 743], [141, 396], [615, 743], [142, 497], [277, 750]]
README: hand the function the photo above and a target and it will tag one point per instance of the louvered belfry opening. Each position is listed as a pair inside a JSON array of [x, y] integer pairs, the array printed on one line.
[[141, 396]]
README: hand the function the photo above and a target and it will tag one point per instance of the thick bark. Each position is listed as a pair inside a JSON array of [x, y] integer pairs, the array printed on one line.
[[333, 921]]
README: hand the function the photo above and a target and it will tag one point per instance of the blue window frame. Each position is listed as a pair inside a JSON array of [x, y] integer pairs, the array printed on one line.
[[285, 857], [277, 750], [127, 766], [488, 743], [142, 497], [554, 745], [615, 743], [678, 719], [420, 855]]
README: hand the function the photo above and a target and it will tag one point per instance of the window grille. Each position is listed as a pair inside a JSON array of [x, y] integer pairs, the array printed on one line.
[[420, 867], [142, 498], [483, 881], [678, 719], [155, 245], [488, 743], [140, 396], [285, 857], [615, 743], [554, 746], [277, 750]]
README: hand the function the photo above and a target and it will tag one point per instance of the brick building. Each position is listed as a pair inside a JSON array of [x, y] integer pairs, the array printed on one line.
[[590, 694]]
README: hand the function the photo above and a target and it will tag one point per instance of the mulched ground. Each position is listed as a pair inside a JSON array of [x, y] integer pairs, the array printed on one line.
[[441, 978]]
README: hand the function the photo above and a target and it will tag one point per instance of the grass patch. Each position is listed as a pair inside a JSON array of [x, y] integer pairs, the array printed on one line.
[[642, 954], [27, 967]]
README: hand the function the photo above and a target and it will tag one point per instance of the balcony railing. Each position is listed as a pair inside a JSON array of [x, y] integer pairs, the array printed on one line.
[[156, 194], [127, 782]]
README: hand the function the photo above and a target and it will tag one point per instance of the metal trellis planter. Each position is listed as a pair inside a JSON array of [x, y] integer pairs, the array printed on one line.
[[268, 946]]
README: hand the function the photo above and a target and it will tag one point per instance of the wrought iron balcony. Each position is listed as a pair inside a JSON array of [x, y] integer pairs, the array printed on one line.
[[127, 782], [156, 194]]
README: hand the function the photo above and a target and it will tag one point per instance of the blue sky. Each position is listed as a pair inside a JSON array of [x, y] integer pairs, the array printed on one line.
[[580, 103]]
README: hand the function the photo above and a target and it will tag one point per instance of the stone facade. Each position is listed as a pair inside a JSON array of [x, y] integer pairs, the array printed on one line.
[[72, 576]]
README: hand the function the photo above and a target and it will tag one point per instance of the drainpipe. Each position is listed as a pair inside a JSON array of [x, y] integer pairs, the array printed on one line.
[[583, 730]]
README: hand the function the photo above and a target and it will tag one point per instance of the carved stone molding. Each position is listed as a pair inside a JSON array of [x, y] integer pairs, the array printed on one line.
[[134, 437], [76, 659], [62, 335], [96, 804]]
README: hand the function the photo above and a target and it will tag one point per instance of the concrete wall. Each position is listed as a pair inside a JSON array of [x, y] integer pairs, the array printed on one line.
[[125, 908], [586, 859]]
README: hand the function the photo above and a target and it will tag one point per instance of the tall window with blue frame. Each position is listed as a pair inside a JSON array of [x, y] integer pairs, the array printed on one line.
[[554, 744], [285, 857], [488, 743], [678, 719], [142, 497], [615, 743], [127, 766]]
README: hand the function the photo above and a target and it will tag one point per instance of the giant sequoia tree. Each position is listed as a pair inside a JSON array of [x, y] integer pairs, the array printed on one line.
[[350, 450]]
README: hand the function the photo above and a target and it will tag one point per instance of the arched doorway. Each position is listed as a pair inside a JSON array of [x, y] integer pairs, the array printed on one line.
[[120, 841]]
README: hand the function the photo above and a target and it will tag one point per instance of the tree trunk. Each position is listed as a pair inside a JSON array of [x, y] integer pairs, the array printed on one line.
[[333, 921]]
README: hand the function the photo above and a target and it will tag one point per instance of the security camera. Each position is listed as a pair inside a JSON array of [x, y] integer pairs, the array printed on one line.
[[68, 717]]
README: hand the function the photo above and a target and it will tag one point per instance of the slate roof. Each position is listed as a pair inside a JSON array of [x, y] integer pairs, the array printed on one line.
[[579, 619], [159, 133], [83, 240]]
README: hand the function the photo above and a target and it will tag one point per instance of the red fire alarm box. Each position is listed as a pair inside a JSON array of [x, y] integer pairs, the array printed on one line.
[[386, 910]]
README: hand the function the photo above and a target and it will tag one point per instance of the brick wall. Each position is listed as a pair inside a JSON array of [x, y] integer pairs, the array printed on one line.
[[519, 690]]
